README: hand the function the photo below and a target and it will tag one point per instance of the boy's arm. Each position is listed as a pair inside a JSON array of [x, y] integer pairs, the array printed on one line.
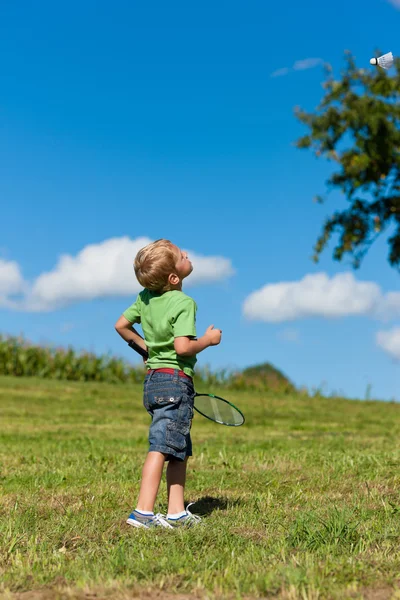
[[185, 346], [128, 333]]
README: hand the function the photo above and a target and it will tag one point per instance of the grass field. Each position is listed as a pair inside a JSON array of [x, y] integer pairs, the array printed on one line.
[[302, 502]]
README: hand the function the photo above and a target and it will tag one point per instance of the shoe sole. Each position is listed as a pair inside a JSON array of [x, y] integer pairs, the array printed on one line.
[[183, 526], [136, 523]]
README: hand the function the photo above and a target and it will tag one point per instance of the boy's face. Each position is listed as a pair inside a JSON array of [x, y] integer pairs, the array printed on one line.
[[183, 265]]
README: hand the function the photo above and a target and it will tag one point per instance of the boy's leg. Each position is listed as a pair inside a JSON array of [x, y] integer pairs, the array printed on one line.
[[151, 477], [176, 478]]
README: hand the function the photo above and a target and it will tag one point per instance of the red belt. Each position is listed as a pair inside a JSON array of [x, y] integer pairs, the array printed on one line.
[[171, 372]]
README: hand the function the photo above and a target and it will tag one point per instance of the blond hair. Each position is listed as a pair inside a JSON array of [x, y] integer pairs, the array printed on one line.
[[153, 265]]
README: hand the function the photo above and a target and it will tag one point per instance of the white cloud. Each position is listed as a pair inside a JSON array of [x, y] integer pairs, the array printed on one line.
[[298, 65], [307, 63], [320, 296], [289, 335], [67, 327], [395, 3], [389, 341], [208, 269], [280, 72], [97, 271], [11, 282]]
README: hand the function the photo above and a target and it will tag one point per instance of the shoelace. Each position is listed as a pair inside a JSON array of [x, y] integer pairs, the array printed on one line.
[[195, 518], [159, 518]]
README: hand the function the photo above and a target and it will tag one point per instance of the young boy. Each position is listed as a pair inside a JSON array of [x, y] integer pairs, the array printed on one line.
[[168, 320]]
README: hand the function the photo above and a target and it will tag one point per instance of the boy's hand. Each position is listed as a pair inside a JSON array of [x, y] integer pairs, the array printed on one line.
[[213, 335]]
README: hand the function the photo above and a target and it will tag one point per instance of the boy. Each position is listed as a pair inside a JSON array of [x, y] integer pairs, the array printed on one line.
[[167, 317]]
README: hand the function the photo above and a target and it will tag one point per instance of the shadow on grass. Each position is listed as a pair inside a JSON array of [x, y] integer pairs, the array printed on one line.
[[208, 504]]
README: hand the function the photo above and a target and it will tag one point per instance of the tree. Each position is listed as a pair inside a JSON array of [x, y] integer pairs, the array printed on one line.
[[357, 125], [267, 375]]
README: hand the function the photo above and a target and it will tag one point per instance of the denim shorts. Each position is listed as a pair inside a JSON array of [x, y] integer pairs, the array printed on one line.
[[169, 399]]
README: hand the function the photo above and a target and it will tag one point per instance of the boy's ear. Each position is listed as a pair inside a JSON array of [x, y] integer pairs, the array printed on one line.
[[173, 279]]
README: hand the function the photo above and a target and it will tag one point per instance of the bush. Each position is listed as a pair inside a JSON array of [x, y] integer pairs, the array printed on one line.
[[22, 359]]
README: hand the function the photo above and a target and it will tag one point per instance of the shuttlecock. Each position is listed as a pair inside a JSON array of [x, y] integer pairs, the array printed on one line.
[[385, 61]]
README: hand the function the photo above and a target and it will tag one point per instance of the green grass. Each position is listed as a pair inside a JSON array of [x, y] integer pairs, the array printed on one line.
[[302, 502]]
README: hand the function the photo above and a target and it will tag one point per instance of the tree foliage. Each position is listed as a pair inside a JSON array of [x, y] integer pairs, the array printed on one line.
[[357, 126], [266, 375]]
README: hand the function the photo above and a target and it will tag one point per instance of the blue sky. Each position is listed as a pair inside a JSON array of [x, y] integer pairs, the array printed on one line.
[[128, 122]]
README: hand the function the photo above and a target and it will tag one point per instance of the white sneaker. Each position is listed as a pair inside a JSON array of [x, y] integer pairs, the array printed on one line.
[[136, 519]]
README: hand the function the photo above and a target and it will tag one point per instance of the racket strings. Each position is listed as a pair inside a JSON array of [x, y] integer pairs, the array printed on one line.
[[218, 410]]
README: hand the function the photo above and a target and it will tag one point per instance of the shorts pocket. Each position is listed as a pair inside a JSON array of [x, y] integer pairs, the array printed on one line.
[[165, 398], [160, 396], [176, 435]]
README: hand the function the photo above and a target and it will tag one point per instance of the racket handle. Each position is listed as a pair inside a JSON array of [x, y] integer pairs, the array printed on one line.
[[138, 349]]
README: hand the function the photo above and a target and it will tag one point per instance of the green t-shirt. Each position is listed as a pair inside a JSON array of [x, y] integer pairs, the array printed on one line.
[[164, 317]]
